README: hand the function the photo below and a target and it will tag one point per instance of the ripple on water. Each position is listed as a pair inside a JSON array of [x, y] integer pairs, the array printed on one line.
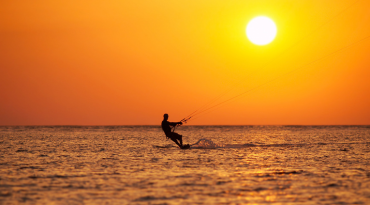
[[226, 165]]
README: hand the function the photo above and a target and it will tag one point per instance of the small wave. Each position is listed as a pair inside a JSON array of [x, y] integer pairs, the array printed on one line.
[[207, 144]]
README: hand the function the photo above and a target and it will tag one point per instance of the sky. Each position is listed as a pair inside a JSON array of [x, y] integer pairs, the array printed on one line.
[[129, 62]]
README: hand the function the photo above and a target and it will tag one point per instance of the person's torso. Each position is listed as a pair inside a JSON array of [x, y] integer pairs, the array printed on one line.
[[166, 127]]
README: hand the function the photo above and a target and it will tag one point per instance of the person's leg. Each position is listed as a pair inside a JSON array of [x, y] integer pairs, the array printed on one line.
[[174, 139], [180, 140], [178, 137]]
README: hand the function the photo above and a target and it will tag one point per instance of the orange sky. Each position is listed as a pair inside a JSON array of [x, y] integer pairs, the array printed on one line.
[[128, 62]]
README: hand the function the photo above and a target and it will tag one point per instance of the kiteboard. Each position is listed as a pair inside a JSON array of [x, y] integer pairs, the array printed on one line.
[[187, 146], [166, 146]]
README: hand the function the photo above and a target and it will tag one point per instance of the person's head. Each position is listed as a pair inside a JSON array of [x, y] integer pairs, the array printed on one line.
[[165, 116]]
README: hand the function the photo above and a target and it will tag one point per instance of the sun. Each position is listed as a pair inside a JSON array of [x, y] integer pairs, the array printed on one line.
[[261, 30]]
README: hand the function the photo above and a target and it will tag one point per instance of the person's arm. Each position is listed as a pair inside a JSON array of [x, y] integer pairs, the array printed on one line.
[[175, 123]]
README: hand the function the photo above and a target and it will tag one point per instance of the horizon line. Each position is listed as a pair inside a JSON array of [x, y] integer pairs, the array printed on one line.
[[59, 125]]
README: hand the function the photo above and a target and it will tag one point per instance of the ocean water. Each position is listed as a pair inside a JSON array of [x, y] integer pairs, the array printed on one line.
[[226, 165]]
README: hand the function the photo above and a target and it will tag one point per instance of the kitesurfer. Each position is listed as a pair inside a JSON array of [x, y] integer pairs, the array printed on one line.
[[166, 127]]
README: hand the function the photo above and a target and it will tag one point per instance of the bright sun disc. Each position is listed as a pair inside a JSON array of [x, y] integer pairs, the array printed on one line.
[[261, 30]]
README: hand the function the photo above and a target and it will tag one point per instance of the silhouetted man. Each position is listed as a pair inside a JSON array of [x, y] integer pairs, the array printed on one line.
[[166, 126]]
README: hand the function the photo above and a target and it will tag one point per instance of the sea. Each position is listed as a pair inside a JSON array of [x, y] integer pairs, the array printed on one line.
[[225, 165]]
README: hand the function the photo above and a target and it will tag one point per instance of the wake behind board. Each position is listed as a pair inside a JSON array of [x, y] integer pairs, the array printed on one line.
[[187, 146]]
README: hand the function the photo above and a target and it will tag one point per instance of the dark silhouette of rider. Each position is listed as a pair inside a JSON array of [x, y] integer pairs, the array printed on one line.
[[166, 126]]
